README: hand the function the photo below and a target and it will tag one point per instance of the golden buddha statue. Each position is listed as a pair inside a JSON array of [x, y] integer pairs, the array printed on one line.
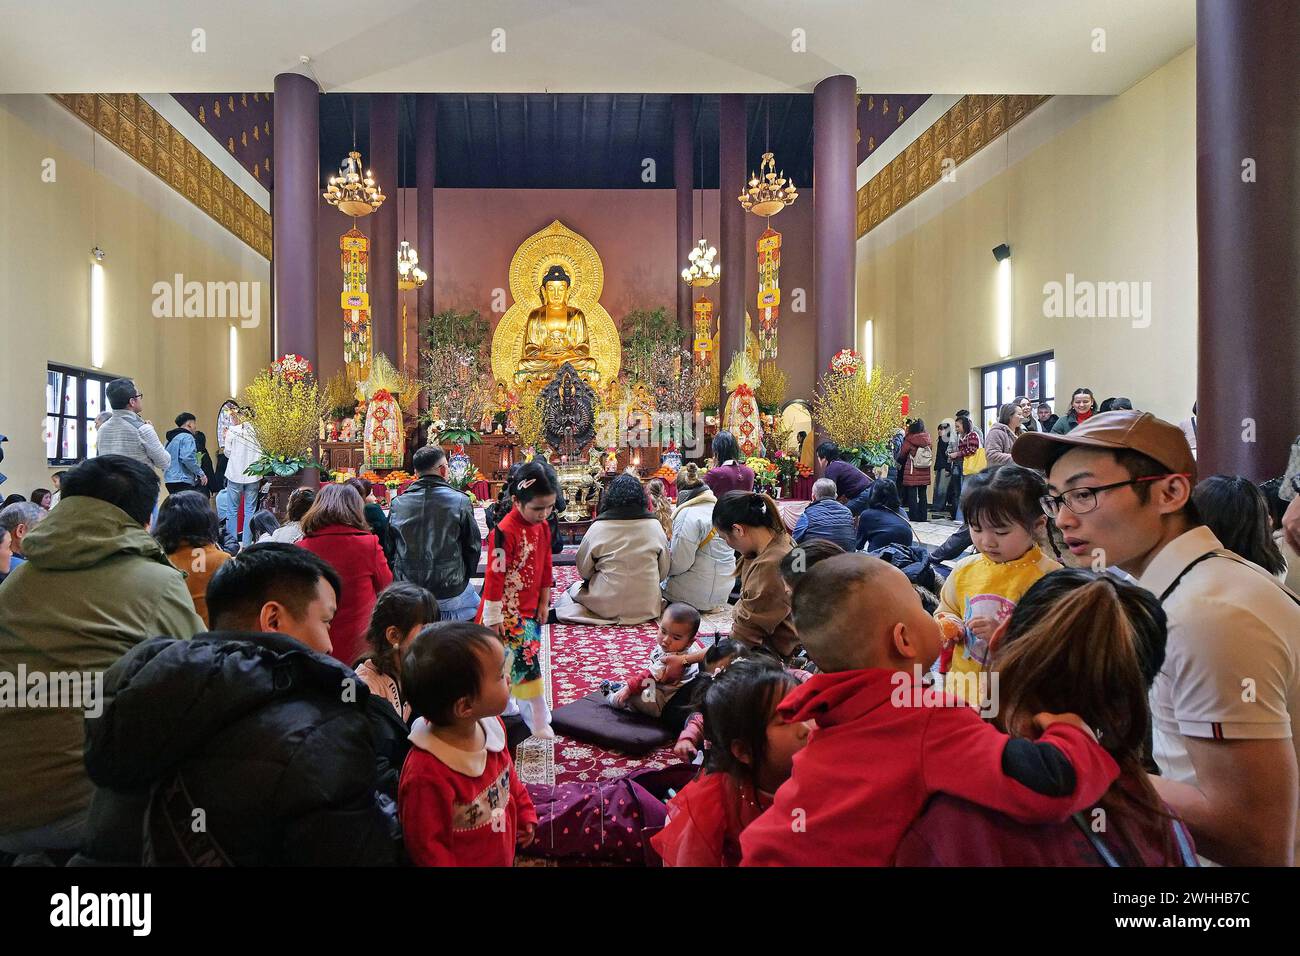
[[555, 333]]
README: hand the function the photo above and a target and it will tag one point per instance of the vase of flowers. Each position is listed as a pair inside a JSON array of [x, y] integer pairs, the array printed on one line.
[[766, 475], [787, 466]]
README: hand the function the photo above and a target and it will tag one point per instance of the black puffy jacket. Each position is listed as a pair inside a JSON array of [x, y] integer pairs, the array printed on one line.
[[436, 541], [269, 739]]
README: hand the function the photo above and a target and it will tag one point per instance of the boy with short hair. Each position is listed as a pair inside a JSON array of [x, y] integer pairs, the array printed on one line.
[[883, 747]]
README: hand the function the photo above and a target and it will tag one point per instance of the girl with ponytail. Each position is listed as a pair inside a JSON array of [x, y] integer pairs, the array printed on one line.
[[750, 524], [1083, 643]]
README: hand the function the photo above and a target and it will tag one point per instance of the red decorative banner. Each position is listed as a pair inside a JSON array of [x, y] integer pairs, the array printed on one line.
[[356, 302], [769, 291]]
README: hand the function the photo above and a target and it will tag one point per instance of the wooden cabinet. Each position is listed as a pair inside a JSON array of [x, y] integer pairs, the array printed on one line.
[[341, 455]]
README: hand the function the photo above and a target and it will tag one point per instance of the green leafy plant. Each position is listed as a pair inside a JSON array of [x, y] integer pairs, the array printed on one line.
[[646, 335], [466, 330]]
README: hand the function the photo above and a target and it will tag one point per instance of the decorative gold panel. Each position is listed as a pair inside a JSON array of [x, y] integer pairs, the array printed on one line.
[[968, 126], [142, 133]]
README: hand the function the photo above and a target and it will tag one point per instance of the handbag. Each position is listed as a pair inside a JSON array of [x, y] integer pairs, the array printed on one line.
[[976, 461]]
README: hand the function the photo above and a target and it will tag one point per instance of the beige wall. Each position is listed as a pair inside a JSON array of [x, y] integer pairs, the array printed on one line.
[[1101, 187], [150, 233]]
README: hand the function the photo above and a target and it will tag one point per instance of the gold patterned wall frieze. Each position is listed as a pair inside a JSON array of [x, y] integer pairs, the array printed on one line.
[[131, 123], [968, 126]]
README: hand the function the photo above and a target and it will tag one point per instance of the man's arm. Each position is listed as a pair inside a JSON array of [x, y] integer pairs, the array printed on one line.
[[1242, 812], [187, 455], [154, 448], [471, 546]]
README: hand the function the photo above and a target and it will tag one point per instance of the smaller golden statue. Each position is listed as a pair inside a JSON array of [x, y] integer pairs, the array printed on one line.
[[555, 333]]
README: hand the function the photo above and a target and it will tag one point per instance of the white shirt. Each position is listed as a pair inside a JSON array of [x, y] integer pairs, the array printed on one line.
[[1232, 661], [242, 450]]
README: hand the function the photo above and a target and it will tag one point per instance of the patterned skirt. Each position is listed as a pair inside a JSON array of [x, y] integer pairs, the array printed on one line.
[[525, 646]]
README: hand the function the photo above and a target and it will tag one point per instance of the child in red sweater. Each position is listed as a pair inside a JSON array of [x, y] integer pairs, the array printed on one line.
[[882, 747], [517, 590], [460, 801]]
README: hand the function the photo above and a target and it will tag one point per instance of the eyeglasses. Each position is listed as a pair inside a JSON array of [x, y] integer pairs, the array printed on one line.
[[138, 395], [1082, 500]]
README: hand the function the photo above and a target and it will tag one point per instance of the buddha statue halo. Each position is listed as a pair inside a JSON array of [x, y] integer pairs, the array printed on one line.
[[556, 278]]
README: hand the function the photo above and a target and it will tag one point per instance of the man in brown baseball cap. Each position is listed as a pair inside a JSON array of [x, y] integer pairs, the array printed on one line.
[[1224, 704], [1133, 430]]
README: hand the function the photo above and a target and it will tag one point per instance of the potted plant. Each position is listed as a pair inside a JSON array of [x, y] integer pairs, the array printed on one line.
[[286, 404], [860, 410]]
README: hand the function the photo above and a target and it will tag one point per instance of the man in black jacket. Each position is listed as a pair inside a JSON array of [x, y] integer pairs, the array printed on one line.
[[247, 745], [436, 541]]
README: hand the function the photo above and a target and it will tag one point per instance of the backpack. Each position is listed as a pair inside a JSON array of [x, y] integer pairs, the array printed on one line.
[[913, 561], [922, 458]]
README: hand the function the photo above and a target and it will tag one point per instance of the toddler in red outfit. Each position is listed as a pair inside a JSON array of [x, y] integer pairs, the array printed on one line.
[[460, 801]]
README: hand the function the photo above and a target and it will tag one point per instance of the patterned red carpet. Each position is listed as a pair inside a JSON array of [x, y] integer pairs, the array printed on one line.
[[581, 657]]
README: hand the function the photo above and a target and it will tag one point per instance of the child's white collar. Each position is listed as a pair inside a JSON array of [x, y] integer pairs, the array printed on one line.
[[470, 763]]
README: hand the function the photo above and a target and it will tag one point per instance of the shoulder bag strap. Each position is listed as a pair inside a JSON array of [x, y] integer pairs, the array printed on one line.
[[1095, 839], [1221, 553]]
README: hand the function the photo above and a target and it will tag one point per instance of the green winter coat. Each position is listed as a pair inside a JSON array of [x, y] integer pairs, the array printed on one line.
[[94, 585]]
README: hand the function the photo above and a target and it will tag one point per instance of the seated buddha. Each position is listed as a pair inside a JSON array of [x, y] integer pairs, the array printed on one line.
[[555, 333]]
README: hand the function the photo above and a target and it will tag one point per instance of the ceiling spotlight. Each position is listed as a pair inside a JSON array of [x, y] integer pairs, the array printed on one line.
[[1001, 252], [99, 254]]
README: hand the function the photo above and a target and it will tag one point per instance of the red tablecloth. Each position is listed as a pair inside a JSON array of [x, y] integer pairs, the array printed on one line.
[[802, 490], [482, 491], [670, 489]]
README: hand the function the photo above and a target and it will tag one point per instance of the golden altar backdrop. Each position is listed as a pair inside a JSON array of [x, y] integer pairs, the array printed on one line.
[[556, 245]]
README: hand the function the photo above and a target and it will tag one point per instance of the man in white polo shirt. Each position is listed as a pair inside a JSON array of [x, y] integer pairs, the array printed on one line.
[[1228, 696]]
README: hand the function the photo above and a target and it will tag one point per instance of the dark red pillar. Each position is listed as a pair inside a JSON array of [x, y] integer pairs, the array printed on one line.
[[834, 212], [684, 183], [295, 211], [381, 281], [1248, 235], [731, 228], [426, 168]]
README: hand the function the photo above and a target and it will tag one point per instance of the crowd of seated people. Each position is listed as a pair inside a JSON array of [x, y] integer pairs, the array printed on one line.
[[354, 685]]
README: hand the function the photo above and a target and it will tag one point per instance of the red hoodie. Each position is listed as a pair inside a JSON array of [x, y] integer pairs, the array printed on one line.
[[871, 765]]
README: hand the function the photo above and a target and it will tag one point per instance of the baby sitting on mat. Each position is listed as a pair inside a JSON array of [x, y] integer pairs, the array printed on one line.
[[650, 689]]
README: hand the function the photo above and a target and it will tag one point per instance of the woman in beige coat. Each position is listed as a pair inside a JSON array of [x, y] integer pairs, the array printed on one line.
[[623, 557]]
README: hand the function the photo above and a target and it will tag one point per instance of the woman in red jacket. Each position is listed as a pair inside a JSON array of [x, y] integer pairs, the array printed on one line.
[[335, 529], [914, 461]]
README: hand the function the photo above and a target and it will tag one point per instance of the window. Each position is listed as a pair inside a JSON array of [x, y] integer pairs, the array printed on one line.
[[73, 400], [1034, 377]]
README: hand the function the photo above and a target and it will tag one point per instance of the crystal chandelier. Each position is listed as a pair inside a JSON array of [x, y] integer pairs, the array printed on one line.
[[409, 274], [768, 193], [702, 270], [354, 193]]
